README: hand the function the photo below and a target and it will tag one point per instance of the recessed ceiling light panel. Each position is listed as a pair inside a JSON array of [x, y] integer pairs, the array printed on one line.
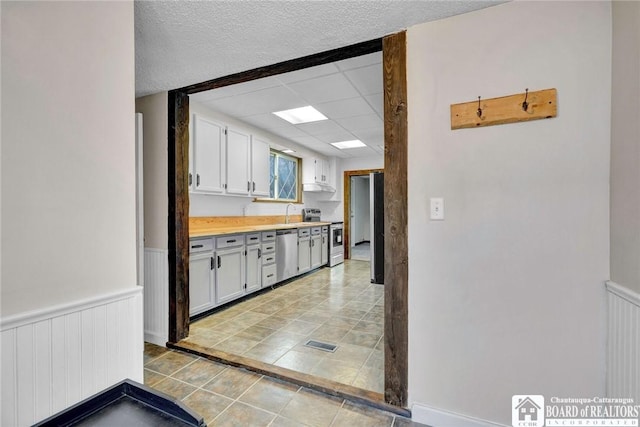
[[300, 115], [288, 151], [355, 143]]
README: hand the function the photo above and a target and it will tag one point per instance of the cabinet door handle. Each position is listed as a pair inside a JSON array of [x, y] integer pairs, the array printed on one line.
[[269, 275], [254, 186], [212, 263], [253, 238], [219, 261], [248, 186], [259, 253], [197, 246], [231, 241], [197, 180], [190, 179]]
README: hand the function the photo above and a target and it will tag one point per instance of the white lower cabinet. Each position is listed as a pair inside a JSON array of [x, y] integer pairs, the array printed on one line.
[[254, 267], [224, 268], [304, 250], [230, 270], [325, 245], [201, 276], [316, 248]]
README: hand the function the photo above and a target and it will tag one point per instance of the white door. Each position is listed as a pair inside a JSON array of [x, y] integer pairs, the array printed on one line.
[[201, 286], [209, 155], [238, 162], [259, 168], [254, 268], [139, 202], [304, 255], [229, 274]]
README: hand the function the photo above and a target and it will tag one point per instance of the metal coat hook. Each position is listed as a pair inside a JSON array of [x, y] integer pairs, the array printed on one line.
[[479, 112], [525, 104]]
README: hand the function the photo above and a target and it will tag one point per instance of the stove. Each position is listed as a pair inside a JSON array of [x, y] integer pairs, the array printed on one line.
[[336, 245]]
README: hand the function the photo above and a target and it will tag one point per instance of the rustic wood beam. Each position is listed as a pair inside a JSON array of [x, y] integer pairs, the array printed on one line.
[[178, 192], [395, 219]]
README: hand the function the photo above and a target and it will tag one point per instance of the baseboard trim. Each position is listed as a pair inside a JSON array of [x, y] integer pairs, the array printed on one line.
[[434, 417]]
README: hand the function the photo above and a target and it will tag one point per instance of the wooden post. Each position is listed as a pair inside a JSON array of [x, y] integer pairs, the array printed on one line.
[[178, 189], [395, 219]]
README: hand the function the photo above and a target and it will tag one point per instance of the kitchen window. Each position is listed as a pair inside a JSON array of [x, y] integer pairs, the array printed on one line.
[[284, 174]]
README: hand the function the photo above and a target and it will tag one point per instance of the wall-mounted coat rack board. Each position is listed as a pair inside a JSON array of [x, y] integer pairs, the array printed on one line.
[[521, 107]]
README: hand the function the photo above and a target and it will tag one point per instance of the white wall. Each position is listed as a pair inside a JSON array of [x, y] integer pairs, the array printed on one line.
[[335, 209], [154, 109], [625, 146], [506, 294], [68, 160]]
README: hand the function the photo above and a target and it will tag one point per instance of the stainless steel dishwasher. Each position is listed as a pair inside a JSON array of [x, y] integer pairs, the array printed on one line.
[[286, 253]]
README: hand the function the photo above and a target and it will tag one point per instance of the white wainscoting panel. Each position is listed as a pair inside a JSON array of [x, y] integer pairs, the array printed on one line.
[[156, 296], [623, 342], [56, 357]]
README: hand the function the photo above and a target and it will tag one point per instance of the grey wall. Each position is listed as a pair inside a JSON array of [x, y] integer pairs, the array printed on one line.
[[68, 156], [625, 146], [506, 294], [154, 109]]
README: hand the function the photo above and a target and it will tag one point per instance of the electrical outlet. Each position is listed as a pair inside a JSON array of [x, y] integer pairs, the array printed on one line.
[[437, 208]]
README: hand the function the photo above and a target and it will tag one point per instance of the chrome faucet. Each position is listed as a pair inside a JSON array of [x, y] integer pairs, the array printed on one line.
[[286, 216]]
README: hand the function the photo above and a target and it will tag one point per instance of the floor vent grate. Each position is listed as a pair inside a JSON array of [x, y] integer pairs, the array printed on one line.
[[321, 346]]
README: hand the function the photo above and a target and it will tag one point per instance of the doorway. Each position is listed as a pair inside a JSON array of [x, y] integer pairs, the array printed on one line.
[[351, 209], [360, 218], [396, 274]]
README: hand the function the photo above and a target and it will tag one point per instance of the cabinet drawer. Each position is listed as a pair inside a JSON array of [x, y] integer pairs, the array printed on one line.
[[252, 239], [200, 245], [303, 232], [268, 235], [268, 247], [269, 258], [268, 275], [229, 241], [315, 231]]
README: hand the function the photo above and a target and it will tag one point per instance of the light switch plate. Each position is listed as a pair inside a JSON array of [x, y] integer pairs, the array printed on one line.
[[437, 208]]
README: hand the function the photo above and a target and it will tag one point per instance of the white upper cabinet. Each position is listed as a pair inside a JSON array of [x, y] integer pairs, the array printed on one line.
[[209, 155], [227, 160], [238, 162], [259, 167]]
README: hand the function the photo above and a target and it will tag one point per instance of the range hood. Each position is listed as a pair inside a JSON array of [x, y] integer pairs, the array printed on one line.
[[318, 188]]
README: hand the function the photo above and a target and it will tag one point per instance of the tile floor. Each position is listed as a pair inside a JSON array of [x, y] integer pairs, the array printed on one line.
[[361, 252], [228, 396], [336, 305]]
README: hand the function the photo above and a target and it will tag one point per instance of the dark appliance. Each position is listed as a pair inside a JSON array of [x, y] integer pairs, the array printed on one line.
[[376, 215]]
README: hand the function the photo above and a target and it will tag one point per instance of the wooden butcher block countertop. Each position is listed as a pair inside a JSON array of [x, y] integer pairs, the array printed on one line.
[[220, 225]]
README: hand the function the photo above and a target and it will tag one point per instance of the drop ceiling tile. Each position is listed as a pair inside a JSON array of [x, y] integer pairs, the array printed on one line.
[[259, 102], [266, 121], [307, 73], [361, 152], [369, 121], [336, 137], [368, 80], [374, 134], [324, 89], [376, 101], [345, 108], [322, 127], [306, 140], [360, 61]]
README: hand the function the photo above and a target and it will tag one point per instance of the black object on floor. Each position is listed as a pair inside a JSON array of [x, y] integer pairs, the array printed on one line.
[[127, 403]]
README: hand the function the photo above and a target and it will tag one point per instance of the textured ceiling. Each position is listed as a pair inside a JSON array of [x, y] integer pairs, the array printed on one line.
[[179, 43]]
